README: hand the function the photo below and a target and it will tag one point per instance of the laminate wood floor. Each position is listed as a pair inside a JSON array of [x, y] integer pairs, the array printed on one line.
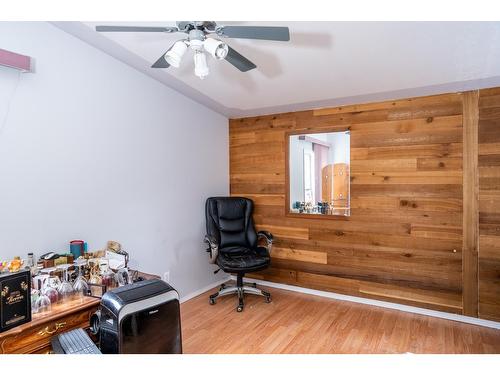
[[300, 323]]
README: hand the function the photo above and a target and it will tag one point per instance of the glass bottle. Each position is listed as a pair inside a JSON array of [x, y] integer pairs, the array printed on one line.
[[31, 264], [31, 260]]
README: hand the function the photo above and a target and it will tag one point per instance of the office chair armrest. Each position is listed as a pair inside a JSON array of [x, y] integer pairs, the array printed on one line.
[[269, 239], [213, 248]]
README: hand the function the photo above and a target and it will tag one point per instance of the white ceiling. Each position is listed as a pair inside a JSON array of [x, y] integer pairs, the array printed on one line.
[[325, 63]]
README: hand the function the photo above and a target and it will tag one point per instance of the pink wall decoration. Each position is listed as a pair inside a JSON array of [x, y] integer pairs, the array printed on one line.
[[15, 60]]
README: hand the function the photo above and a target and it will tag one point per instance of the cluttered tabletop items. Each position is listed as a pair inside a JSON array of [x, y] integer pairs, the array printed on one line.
[[33, 290]]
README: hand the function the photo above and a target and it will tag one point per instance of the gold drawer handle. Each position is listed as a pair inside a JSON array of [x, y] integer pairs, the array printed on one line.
[[47, 331]]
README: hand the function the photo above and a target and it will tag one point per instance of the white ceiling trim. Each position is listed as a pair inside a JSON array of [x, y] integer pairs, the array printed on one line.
[[475, 84]]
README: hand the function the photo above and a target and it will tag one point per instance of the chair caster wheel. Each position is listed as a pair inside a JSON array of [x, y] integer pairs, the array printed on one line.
[[211, 301], [223, 286], [268, 299], [239, 308]]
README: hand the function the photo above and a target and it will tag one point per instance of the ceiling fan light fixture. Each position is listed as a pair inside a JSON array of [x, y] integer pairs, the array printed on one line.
[[200, 65], [216, 48], [175, 54], [198, 39]]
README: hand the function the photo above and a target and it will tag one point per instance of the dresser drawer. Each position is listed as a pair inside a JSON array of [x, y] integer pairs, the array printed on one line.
[[36, 338]]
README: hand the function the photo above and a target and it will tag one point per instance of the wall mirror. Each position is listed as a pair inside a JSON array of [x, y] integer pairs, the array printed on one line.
[[318, 173]]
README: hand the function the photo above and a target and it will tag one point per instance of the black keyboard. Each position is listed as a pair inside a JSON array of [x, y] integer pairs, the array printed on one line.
[[74, 342]]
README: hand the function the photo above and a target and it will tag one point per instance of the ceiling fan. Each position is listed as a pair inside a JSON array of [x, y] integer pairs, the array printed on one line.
[[199, 39]]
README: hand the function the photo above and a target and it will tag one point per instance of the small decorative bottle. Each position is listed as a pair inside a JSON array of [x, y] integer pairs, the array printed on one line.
[[30, 263]]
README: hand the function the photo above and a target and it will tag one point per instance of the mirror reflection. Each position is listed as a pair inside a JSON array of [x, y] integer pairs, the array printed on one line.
[[319, 173]]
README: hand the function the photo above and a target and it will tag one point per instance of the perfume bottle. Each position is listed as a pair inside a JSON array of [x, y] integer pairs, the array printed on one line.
[[32, 265]]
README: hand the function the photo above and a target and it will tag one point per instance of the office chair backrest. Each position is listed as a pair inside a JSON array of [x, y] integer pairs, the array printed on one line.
[[229, 220]]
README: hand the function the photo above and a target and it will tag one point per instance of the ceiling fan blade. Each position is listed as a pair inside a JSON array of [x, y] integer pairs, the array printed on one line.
[[136, 29], [239, 61], [161, 62], [255, 32]]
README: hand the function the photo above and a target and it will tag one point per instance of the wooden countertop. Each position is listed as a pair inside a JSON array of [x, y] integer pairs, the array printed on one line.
[[57, 311]]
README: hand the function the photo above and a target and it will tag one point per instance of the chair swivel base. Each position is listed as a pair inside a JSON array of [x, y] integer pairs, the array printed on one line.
[[240, 288]]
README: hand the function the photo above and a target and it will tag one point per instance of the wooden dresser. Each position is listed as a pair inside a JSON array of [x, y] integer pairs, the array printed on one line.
[[35, 336]]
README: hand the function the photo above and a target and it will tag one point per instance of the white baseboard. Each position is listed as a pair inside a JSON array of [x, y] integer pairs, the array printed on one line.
[[372, 302], [204, 289]]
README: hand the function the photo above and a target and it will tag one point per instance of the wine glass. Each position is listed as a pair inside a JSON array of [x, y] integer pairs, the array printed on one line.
[[35, 295], [43, 303], [107, 275], [65, 289], [48, 294], [80, 285]]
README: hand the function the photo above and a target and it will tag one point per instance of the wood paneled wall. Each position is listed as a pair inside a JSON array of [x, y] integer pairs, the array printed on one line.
[[489, 204], [404, 240]]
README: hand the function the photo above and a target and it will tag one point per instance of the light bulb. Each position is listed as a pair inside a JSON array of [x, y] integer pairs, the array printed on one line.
[[174, 54], [200, 65]]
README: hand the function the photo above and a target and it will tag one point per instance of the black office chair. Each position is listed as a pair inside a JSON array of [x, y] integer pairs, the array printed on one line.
[[233, 245]]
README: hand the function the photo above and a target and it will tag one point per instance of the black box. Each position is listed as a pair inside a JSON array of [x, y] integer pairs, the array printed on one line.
[[15, 299]]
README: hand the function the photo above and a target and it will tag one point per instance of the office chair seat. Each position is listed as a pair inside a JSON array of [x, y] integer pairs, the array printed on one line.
[[236, 258]]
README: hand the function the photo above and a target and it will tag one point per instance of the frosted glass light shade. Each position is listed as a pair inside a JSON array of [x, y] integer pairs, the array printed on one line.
[[200, 65], [174, 55]]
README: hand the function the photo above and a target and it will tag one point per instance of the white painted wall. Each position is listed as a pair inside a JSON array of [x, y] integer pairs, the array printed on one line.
[[340, 152], [297, 148], [94, 149]]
